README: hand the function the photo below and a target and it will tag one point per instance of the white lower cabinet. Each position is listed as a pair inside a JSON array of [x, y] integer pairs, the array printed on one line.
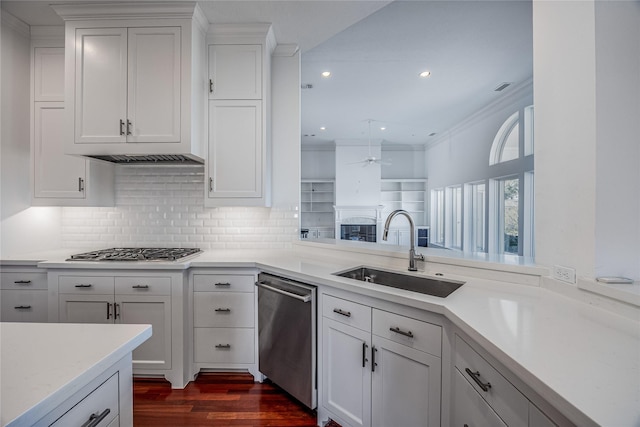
[[23, 295], [154, 299], [483, 397], [224, 319], [379, 368]]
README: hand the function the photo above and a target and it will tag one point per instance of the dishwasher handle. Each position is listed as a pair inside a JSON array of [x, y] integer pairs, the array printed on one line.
[[303, 298]]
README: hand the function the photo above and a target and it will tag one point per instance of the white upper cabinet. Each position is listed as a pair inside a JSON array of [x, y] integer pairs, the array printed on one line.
[[101, 85], [135, 76], [153, 107], [235, 72], [48, 84], [127, 85], [58, 179], [239, 139]]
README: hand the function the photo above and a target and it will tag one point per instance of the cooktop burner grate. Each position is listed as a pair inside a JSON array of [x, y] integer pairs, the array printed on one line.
[[136, 254]]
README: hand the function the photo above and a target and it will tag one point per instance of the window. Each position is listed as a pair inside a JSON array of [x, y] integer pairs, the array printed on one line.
[[475, 217], [506, 144], [508, 224], [454, 215], [437, 217]]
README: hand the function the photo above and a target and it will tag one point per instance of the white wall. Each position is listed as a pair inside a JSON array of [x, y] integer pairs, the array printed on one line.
[[318, 163], [462, 155], [587, 151], [22, 228], [403, 162], [617, 173], [357, 184]]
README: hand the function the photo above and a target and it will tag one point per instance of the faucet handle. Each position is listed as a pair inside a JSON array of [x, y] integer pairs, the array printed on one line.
[[419, 257]]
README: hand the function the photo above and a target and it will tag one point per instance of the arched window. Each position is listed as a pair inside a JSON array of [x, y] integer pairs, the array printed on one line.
[[506, 144]]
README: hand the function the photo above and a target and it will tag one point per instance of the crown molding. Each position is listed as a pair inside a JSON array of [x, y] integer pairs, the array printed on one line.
[[15, 24], [518, 92], [132, 10], [286, 50]]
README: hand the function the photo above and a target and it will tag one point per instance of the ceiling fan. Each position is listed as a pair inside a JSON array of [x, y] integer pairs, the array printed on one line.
[[370, 159]]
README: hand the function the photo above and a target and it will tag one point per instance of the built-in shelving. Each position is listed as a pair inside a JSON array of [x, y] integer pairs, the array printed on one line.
[[407, 194], [317, 215]]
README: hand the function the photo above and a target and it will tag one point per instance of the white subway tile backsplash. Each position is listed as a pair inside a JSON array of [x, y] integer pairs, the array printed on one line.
[[164, 206]]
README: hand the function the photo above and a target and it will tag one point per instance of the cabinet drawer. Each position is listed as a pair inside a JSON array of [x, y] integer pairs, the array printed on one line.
[[85, 284], [469, 409], [23, 281], [410, 332], [504, 398], [24, 306], [102, 399], [223, 309], [143, 286], [223, 282], [347, 312], [224, 345]]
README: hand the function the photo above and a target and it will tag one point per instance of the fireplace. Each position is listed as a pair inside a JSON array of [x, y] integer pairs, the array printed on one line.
[[359, 223], [358, 232]]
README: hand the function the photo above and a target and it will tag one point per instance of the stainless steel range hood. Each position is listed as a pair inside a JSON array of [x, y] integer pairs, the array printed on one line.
[[163, 159]]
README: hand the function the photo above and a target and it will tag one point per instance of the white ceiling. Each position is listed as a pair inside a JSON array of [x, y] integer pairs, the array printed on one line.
[[470, 47], [375, 50]]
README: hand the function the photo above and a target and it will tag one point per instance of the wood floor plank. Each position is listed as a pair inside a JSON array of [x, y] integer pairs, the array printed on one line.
[[217, 400]]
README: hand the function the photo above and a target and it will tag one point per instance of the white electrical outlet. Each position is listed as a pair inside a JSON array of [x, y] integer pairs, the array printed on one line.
[[566, 274]]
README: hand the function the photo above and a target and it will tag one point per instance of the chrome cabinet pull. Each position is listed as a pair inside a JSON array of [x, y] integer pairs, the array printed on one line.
[[210, 185], [128, 127], [223, 346], [121, 127], [80, 184], [116, 313], [222, 284], [223, 310], [373, 358], [140, 286], [210, 85], [22, 282], [401, 332], [108, 311], [342, 313], [364, 354], [82, 285], [475, 376], [22, 307], [96, 418]]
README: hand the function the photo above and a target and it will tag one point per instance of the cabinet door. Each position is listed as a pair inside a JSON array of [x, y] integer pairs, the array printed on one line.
[[153, 106], [56, 175], [235, 160], [405, 386], [48, 74], [346, 372], [154, 310], [101, 85], [86, 308], [235, 72], [468, 408]]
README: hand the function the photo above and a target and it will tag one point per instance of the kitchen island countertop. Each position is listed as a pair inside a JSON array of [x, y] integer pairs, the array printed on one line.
[[43, 364]]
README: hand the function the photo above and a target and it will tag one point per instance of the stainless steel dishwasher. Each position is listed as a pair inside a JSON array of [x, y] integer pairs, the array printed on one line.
[[287, 335]]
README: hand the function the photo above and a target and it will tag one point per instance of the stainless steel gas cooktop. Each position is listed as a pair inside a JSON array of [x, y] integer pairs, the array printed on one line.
[[136, 254]]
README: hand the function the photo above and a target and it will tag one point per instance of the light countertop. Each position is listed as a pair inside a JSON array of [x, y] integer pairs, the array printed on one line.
[[582, 359], [42, 364]]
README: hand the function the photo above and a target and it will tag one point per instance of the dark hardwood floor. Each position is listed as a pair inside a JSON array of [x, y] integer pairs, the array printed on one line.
[[216, 400]]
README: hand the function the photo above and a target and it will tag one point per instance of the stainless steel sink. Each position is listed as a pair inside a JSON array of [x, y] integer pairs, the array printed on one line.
[[424, 285]]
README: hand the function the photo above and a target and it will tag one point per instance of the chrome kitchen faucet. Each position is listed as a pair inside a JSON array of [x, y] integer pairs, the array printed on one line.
[[412, 250]]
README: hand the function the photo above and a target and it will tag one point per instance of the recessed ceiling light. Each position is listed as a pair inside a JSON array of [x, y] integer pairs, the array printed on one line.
[[326, 74], [383, 128], [323, 128], [425, 74]]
